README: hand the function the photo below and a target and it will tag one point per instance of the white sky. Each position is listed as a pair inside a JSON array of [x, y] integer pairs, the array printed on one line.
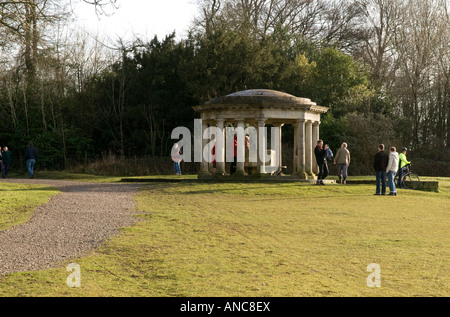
[[144, 18]]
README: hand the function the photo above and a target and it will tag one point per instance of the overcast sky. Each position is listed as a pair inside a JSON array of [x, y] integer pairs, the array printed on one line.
[[144, 18]]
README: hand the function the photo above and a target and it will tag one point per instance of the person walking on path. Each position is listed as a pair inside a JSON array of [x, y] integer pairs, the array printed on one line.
[[320, 153], [391, 170], [30, 157], [342, 159], [403, 163], [380, 163], [6, 157]]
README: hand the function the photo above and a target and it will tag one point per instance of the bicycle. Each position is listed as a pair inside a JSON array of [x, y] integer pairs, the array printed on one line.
[[410, 180]]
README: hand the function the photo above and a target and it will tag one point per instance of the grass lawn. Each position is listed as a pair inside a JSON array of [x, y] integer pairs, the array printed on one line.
[[238, 239], [17, 202]]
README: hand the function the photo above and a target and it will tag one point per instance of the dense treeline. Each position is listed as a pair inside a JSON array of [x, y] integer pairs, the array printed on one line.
[[381, 66]]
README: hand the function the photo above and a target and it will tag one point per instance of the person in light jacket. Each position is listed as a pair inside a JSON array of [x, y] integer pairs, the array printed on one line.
[[176, 158], [403, 163], [391, 170], [342, 159]]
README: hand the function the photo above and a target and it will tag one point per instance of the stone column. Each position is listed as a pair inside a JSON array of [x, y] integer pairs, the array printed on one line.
[[241, 149], [309, 148], [204, 164], [315, 138], [279, 150], [300, 145], [220, 148], [295, 156], [262, 146]]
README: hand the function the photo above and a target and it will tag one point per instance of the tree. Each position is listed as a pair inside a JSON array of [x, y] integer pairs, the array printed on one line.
[[331, 78], [259, 18], [418, 35], [377, 48], [36, 72]]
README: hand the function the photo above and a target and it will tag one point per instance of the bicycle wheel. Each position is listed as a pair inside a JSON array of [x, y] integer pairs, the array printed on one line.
[[411, 181]]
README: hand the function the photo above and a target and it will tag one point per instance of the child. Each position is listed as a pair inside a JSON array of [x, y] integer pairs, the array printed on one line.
[[329, 155]]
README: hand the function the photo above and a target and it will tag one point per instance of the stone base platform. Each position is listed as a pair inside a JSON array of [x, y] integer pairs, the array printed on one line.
[[230, 179], [432, 186]]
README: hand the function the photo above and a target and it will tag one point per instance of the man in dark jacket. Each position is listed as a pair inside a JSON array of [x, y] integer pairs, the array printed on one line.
[[379, 164], [30, 156], [6, 157], [321, 158]]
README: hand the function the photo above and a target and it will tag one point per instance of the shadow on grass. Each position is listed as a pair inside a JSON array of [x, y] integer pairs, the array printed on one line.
[[75, 187], [30, 189], [308, 190]]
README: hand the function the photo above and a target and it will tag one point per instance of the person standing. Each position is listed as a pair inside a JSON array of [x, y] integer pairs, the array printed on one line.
[[391, 170], [342, 159], [403, 163], [1, 160], [214, 162], [31, 157], [380, 164], [320, 153], [176, 158], [6, 157]]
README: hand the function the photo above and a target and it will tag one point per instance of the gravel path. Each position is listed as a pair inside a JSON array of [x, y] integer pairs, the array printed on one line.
[[73, 223]]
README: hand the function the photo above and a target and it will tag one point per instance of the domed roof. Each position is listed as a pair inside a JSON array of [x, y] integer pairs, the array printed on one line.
[[257, 100], [260, 97], [260, 92]]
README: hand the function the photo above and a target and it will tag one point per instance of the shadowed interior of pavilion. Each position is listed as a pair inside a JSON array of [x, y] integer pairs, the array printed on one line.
[[249, 111]]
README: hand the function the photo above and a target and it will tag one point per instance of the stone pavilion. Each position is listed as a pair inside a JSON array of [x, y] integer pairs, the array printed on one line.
[[259, 108]]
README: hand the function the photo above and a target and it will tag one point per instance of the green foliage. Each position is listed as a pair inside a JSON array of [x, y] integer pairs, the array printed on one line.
[[333, 131], [364, 134], [331, 78], [49, 154], [131, 107]]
